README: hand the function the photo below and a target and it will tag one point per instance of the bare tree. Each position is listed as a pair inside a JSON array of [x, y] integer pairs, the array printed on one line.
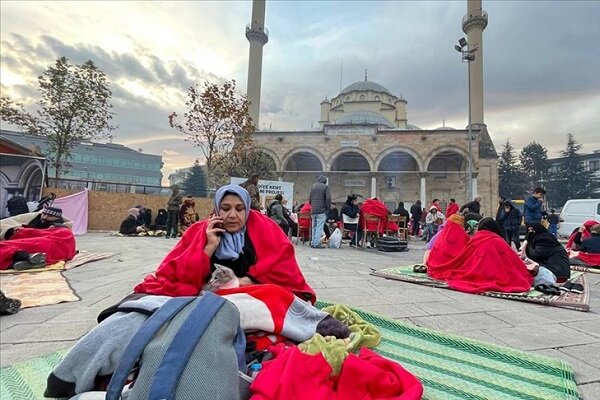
[[216, 118]]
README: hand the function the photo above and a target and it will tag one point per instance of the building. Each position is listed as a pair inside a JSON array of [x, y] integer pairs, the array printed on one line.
[[367, 146], [590, 161], [21, 173], [98, 162]]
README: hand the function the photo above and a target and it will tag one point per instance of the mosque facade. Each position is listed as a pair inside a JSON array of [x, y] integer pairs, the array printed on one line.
[[366, 146]]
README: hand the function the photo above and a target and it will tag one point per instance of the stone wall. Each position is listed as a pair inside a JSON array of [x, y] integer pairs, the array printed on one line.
[[106, 210]]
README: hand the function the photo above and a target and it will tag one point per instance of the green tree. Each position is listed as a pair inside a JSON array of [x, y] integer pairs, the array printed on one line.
[[572, 180], [74, 106], [510, 178], [215, 119], [195, 182], [534, 164]]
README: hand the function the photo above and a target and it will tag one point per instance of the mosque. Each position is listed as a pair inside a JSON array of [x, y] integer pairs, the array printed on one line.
[[365, 144]]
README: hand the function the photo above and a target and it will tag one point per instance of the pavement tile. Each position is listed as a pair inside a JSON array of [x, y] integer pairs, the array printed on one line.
[[591, 391], [48, 332], [541, 336], [396, 311], [14, 353], [591, 327], [585, 373], [588, 353], [460, 322], [483, 336]]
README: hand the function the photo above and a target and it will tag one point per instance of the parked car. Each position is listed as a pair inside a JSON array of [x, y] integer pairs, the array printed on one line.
[[575, 212]]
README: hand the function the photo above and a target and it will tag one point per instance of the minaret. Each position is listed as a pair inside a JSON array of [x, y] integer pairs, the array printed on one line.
[[473, 25], [258, 36]]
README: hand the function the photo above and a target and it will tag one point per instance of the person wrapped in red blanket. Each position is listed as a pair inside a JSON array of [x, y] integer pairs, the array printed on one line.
[[584, 245], [46, 237], [376, 207], [486, 263], [246, 241], [447, 244]]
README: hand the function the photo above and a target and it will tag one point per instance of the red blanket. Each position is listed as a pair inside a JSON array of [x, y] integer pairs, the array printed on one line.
[[486, 263], [57, 243], [451, 209], [377, 208], [591, 259], [449, 243], [585, 234], [293, 375], [185, 269]]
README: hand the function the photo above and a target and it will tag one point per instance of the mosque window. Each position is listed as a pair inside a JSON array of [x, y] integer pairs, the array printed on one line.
[[362, 97], [377, 98], [347, 98]]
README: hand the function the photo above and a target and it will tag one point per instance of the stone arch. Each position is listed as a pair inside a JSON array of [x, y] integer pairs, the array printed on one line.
[[306, 151], [399, 149], [335, 157], [4, 183], [30, 178], [270, 153], [448, 150]]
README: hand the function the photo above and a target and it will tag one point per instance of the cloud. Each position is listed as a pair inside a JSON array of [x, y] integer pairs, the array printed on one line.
[[540, 61]]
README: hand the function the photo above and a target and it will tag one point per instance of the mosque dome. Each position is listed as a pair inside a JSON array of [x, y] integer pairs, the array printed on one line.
[[364, 117], [444, 128], [363, 86]]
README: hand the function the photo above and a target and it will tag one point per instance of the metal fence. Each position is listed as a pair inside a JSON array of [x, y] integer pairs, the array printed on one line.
[[116, 187]]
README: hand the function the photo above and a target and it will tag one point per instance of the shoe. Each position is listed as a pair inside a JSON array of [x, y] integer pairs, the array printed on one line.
[[37, 258], [167, 236], [25, 265], [577, 288], [318, 247], [567, 286]]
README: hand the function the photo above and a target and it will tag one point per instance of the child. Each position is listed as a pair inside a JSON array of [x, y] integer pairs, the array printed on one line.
[[553, 221]]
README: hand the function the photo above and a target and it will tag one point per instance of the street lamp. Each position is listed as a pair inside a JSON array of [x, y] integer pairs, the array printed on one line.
[[468, 55]]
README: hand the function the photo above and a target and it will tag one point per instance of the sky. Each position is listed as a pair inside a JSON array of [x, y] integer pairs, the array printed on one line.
[[541, 62]]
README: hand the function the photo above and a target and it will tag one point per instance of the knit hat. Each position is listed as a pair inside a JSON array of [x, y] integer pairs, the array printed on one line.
[[54, 211], [433, 208]]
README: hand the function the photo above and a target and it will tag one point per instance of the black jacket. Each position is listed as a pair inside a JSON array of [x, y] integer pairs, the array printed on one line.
[[350, 210], [416, 211], [548, 252], [472, 206], [402, 212], [128, 226], [591, 244]]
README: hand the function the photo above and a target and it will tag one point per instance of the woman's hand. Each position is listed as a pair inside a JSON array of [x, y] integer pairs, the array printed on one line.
[[214, 231]]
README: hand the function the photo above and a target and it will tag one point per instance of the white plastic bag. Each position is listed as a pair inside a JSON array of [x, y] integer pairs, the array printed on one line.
[[335, 240]]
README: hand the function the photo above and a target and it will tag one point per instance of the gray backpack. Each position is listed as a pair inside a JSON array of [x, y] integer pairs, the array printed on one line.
[[190, 348]]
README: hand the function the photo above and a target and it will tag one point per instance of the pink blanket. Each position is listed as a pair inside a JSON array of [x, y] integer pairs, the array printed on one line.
[[75, 207]]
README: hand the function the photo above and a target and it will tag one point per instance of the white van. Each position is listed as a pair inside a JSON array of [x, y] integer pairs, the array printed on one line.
[[575, 212]]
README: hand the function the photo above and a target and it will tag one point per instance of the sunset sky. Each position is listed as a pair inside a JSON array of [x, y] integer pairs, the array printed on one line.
[[541, 62]]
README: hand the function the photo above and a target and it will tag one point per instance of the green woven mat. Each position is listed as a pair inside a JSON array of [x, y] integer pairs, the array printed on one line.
[[450, 367], [453, 367]]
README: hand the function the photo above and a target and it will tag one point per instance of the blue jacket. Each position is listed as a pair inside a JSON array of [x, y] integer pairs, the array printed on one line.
[[532, 210]]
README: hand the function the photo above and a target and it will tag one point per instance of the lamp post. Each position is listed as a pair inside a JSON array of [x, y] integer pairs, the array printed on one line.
[[468, 55]]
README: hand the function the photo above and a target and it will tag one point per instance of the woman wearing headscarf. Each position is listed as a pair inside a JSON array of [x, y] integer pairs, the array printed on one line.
[[486, 263], [542, 247], [129, 226], [235, 236]]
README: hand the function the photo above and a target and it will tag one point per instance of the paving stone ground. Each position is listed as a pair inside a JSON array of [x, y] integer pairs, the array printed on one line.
[[337, 275]]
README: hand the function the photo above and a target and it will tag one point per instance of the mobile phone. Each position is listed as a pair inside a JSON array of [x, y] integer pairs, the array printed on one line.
[[219, 225]]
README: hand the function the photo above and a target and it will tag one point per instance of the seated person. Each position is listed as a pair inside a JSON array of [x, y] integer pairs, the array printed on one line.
[[485, 263], [590, 244], [580, 233], [45, 240], [236, 237], [446, 244], [433, 220], [350, 216], [160, 222], [130, 226], [377, 208], [543, 248], [288, 217], [275, 212], [401, 211], [187, 213]]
